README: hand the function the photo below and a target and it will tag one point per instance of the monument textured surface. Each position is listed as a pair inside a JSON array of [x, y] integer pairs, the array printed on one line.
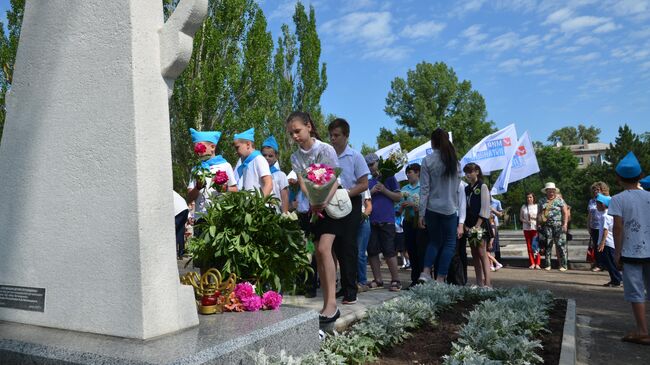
[[219, 339], [86, 171]]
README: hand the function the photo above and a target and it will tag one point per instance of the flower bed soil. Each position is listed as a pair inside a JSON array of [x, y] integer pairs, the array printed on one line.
[[429, 343]]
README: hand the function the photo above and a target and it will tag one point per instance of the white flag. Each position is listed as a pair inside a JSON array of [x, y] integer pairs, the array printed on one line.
[[492, 152], [386, 151], [523, 163]]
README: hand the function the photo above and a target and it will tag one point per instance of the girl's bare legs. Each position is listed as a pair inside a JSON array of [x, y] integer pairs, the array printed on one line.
[[327, 273], [485, 263], [478, 270]]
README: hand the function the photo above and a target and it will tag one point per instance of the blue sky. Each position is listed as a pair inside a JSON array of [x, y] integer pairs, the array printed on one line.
[[542, 65]]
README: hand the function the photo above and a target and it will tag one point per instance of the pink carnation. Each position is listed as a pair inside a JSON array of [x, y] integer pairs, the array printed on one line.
[[320, 174], [271, 300], [244, 290], [252, 303]]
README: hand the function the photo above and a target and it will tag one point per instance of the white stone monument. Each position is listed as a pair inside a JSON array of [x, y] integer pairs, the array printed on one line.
[[86, 218]]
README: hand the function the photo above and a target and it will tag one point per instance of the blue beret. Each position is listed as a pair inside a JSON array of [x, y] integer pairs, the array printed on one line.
[[271, 142], [604, 199], [248, 135], [629, 167], [205, 136]]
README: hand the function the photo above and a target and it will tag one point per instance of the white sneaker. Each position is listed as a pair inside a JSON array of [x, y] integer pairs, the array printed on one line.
[[498, 266], [563, 269], [547, 268], [492, 268], [424, 278]]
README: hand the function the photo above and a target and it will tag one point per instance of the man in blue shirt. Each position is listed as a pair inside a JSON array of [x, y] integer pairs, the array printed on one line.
[[353, 178], [382, 224]]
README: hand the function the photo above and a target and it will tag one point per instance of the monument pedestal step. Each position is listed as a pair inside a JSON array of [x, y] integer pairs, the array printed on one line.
[[225, 338]]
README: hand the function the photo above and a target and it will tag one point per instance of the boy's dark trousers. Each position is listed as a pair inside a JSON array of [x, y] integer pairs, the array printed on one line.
[[415, 240], [347, 250], [607, 256], [180, 220], [599, 256]]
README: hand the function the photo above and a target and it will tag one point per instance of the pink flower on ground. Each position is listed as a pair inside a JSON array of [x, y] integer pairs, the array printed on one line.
[[244, 290], [271, 300], [252, 303], [199, 148]]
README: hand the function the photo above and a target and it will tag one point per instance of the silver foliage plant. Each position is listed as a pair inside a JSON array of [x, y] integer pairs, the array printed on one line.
[[389, 324], [504, 329]]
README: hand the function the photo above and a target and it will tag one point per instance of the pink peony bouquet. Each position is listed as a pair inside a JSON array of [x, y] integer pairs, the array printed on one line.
[[244, 298], [219, 181], [319, 179]]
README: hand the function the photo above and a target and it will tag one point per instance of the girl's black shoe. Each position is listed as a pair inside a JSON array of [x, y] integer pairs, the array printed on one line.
[[333, 318]]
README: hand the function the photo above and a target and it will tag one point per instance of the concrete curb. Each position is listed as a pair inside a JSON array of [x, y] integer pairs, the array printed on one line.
[[568, 353]]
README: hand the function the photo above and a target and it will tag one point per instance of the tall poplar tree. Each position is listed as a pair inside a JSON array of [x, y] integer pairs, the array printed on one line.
[[8, 48]]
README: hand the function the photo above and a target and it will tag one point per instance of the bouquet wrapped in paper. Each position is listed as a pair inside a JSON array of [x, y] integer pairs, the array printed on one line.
[[475, 236], [391, 165], [319, 179]]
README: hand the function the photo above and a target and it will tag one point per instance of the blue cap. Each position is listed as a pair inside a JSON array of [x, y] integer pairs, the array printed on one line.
[[271, 142], [248, 135], [604, 199], [205, 136], [645, 182], [628, 167]]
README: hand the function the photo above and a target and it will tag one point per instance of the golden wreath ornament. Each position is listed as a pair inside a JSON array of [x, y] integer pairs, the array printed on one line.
[[210, 291]]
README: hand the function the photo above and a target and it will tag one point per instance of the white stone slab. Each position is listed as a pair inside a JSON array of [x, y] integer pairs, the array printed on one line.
[[85, 165]]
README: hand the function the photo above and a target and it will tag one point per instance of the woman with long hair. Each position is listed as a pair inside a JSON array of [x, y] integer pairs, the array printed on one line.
[[528, 218], [311, 150], [478, 215], [438, 208]]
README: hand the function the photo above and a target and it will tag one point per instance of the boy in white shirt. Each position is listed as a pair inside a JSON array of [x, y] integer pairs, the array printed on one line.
[[631, 236], [270, 151], [252, 171], [196, 190], [606, 240]]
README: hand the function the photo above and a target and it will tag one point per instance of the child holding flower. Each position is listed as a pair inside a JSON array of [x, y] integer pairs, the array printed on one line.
[[270, 151], [200, 190], [312, 151]]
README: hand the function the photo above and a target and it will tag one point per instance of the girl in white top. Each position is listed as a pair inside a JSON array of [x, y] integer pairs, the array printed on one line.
[[528, 218], [303, 131]]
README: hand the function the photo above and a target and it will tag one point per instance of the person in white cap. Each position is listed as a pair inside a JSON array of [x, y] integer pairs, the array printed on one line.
[[553, 217]]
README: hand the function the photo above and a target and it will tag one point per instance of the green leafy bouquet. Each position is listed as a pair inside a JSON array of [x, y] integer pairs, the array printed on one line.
[[241, 234], [393, 164]]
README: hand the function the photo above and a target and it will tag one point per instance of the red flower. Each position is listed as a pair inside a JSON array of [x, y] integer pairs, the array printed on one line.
[[199, 148], [220, 178]]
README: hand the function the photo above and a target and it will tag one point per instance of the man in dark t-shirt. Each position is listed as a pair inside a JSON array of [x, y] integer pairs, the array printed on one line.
[[382, 224]]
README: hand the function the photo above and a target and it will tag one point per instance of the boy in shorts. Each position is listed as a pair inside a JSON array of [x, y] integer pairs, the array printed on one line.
[[631, 237]]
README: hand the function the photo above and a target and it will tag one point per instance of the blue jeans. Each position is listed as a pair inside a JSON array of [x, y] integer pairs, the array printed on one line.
[[362, 240], [608, 255], [442, 240]]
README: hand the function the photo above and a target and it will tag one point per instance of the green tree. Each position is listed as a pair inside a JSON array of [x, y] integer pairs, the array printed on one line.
[[8, 49], [407, 140], [625, 142], [432, 97], [590, 134], [572, 135], [312, 76]]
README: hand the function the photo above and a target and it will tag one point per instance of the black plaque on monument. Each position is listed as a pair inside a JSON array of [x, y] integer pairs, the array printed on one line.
[[22, 297]]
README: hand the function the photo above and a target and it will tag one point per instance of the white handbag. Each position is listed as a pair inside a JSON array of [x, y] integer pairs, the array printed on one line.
[[340, 205]]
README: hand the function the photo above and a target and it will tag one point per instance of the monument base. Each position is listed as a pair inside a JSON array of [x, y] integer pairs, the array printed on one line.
[[226, 338]]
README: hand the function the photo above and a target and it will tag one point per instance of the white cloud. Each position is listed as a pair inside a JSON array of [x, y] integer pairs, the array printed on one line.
[[372, 29], [570, 49], [388, 53], [524, 6], [583, 41], [351, 6], [467, 6], [586, 57], [581, 23], [634, 8], [645, 66], [515, 63], [606, 28], [284, 10], [542, 71], [559, 16], [423, 29]]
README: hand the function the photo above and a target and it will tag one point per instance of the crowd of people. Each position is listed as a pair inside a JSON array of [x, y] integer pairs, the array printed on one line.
[[429, 221]]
